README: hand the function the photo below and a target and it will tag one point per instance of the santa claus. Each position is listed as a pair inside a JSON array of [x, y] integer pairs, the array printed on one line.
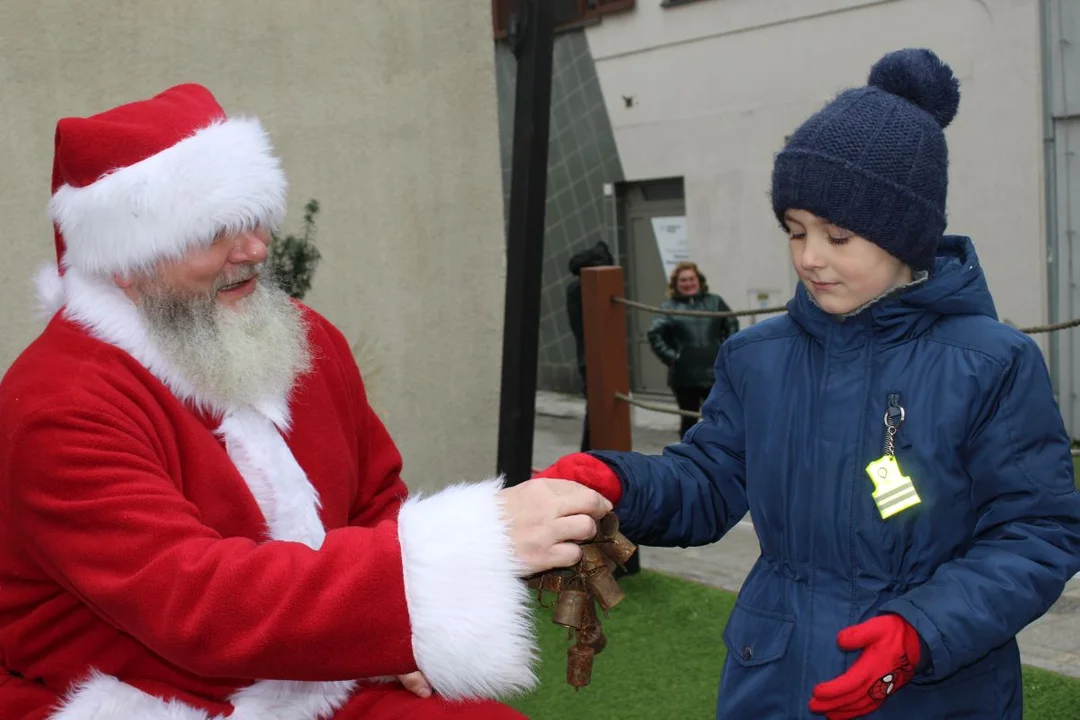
[[201, 516]]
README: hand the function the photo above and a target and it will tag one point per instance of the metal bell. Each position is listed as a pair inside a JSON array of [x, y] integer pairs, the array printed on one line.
[[620, 549], [599, 578], [591, 632], [579, 662], [570, 608], [607, 528]]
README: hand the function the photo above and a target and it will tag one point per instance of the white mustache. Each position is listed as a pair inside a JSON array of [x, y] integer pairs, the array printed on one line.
[[228, 281]]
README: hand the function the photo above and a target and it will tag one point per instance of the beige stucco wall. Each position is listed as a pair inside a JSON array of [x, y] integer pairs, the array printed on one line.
[[718, 84], [382, 110]]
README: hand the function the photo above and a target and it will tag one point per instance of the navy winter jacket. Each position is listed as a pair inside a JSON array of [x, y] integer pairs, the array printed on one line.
[[796, 415]]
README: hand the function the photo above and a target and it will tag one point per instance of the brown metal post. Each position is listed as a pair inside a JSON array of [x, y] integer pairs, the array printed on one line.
[[606, 368]]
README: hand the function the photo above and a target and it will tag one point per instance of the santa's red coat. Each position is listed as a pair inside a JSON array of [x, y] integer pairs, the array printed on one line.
[[164, 562]]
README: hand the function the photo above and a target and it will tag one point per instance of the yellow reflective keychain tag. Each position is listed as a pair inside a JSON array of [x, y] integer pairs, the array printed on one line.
[[892, 491]]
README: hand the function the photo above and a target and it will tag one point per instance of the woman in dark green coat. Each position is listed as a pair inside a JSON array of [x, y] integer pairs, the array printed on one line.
[[688, 344]]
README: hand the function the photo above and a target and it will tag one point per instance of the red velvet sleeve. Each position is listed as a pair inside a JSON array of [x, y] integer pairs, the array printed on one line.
[[90, 498], [381, 491]]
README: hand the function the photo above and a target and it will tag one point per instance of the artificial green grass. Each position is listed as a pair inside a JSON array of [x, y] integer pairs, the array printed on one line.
[[662, 660], [665, 652], [1049, 696]]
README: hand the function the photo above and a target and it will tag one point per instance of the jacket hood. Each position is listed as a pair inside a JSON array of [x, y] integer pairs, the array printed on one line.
[[596, 256], [956, 286]]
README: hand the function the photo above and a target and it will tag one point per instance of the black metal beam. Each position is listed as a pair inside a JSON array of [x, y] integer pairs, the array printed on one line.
[[533, 44]]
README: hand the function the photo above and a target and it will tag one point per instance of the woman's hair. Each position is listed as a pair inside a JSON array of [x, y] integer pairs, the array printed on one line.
[[673, 281]]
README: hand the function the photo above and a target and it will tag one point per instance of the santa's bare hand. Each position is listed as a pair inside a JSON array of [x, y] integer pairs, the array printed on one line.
[[416, 683], [547, 519]]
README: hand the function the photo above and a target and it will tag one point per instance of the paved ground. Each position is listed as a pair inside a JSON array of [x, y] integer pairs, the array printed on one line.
[[1051, 642]]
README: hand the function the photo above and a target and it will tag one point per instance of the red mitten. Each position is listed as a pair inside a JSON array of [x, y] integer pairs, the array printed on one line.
[[890, 652], [587, 470]]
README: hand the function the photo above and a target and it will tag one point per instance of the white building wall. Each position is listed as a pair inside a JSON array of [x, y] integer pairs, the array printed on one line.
[[716, 86], [383, 111]]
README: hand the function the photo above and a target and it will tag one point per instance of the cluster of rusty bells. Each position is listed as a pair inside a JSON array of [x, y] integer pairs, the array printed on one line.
[[580, 588]]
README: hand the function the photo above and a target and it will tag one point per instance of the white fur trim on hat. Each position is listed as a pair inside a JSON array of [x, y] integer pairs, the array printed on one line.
[[472, 628], [225, 177], [49, 290]]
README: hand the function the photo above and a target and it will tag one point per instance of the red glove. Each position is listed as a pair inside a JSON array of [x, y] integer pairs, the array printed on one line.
[[589, 471], [890, 652]]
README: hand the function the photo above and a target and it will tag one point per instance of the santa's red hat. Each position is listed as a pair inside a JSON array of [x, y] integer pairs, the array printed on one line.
[[151, 179]]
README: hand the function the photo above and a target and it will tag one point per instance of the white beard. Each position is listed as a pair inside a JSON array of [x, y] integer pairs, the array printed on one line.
[[236, 356]]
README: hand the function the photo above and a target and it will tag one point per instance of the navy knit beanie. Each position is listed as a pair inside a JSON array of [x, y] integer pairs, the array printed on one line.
[[874, 160]]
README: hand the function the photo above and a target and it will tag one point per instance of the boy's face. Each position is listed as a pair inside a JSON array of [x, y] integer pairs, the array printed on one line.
[[841, 270]]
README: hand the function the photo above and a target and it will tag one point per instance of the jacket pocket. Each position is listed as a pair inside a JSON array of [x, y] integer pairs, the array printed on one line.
[[756, 637], [964, 696]]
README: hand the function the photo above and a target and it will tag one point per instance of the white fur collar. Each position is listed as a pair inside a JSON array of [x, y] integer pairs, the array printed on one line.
[[288, 501]]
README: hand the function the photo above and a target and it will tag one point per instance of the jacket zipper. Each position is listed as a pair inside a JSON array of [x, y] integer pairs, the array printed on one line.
[[894, 417]]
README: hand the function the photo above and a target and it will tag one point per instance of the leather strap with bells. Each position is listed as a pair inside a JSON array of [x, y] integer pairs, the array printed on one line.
[[580, 589]]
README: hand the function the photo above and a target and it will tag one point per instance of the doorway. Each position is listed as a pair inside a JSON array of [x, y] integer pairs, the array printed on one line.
[[654, 239]]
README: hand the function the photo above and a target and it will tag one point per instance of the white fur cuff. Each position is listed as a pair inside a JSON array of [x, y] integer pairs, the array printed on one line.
[[103, 697], [223, 178], [472, 629]]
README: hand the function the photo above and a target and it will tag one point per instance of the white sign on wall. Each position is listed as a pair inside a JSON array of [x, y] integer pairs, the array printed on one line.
[[670, 233], [761, 298]]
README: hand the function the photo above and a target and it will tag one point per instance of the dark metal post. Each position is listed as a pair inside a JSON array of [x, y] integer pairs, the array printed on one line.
[[525, 238]]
